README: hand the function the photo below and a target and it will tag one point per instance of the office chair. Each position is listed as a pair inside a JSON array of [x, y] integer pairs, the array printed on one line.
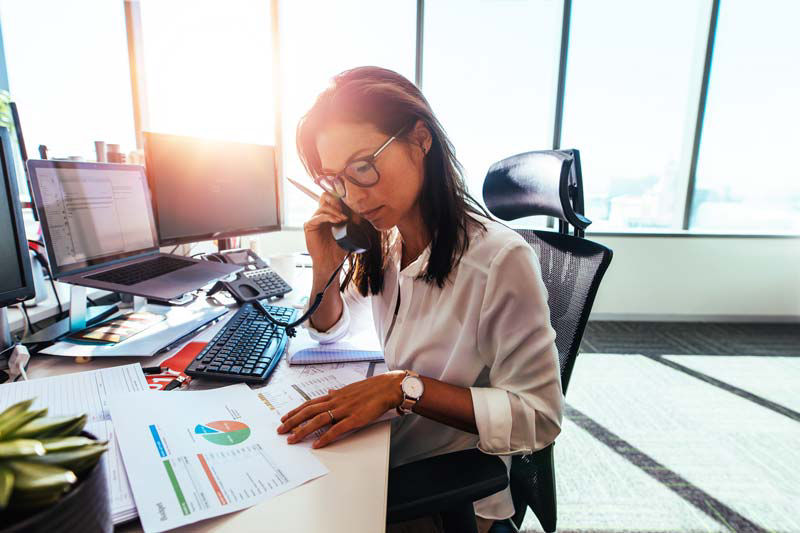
[[534, 183]]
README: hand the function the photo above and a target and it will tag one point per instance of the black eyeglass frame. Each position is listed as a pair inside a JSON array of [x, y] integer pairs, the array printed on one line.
[[370, 160]]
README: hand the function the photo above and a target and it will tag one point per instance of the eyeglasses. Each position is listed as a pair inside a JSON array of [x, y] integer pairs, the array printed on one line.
[[361, 172]]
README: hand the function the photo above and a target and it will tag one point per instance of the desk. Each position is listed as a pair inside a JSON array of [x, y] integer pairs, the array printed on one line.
[[350, 498]]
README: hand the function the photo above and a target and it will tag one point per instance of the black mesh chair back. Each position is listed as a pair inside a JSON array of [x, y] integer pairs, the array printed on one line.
[[550, 183], [572, 268]]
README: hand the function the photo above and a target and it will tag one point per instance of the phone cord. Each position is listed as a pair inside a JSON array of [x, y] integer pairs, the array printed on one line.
[[290, 327]]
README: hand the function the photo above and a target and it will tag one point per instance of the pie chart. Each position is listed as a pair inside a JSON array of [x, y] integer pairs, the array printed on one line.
[[223, 432]]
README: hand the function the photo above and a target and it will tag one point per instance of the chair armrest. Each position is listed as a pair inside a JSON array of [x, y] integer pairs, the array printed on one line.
[[443, 482]]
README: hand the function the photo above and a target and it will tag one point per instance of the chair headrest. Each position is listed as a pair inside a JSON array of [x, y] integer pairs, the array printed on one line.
[[546, 182]]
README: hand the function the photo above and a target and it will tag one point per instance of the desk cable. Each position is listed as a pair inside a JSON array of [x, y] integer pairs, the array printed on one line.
[[290, 326]]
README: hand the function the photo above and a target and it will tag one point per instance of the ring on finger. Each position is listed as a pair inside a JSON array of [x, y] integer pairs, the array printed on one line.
[[333, 418]]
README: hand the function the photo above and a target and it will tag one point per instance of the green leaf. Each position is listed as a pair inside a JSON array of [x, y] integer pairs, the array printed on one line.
[[49, 427], [73, 429], [77, 460], [59, 444], [14, 410], [6, 485], [12, 424], [40, 479], [21, 448]]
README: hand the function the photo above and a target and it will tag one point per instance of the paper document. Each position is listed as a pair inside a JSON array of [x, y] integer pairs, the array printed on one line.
[[285, 396], [363, 346], [198, 454], [178, 323], [88, 392]]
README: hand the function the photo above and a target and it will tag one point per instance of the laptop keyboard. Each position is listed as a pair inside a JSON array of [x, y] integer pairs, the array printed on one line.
[[143, 271]]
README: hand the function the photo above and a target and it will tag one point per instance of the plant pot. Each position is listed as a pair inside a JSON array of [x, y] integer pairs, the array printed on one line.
[[86, 508]]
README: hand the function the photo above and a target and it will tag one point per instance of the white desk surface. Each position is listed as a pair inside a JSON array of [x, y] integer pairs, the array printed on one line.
[[350, 498]]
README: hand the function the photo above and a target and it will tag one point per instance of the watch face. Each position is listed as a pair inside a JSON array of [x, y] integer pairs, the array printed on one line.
[[413, 387]]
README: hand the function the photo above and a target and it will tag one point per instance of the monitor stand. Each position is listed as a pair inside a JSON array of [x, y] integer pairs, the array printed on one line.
[[224, 244], [80, 317]]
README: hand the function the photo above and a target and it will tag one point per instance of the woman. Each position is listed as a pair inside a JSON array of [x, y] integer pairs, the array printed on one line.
[[457, 299]]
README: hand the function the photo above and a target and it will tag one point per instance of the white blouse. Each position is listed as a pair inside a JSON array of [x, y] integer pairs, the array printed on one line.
[[487, 329]]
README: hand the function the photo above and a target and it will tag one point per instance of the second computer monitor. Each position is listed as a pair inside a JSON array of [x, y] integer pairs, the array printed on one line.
[[16, 283], [204, 189]]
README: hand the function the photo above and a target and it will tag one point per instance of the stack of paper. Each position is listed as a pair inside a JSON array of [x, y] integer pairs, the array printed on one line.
[[88, 392], [179, 323]]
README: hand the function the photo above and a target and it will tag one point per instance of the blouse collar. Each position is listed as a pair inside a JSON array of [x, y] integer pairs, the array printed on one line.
[[417, 266]]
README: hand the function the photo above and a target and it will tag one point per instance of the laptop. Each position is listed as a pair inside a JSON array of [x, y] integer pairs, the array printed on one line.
[[98, 225]]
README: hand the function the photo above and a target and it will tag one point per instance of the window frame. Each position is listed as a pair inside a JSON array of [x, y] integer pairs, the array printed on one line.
[[133, 24]]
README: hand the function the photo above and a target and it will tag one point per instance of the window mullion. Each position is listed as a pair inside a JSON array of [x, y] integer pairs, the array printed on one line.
[[701, 110]]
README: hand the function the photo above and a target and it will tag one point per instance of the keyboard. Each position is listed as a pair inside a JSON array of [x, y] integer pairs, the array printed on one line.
[[270, 283], [247, 349], [142, 271]]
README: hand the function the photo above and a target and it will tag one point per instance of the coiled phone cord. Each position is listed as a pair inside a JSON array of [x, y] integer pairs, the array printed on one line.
[[290, 327]]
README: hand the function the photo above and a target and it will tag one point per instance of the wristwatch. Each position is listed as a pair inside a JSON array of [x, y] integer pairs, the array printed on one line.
[[413, 389]]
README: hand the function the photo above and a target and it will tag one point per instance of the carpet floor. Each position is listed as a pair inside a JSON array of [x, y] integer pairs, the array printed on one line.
[[690, 427]]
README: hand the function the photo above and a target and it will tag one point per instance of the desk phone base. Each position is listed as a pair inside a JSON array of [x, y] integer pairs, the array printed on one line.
[[247, 349]]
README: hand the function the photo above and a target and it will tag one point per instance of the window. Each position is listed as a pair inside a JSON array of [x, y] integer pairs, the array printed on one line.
[[320, 39], [633, 80], [68, 71], [490, 71], [748, 177], [208, 69]]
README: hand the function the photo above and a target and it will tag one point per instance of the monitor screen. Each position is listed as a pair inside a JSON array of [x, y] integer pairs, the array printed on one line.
[[92, 213], [16, 283], [204, 189]]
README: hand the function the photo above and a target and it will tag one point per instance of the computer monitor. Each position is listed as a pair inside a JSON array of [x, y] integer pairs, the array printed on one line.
[[16, 281], [23, 152], [205, 189]]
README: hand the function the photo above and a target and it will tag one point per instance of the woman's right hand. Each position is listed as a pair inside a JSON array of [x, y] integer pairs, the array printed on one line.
[[325, 254]]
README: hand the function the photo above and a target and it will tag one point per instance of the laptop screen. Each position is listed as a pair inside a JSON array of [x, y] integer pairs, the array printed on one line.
[[92, 213]]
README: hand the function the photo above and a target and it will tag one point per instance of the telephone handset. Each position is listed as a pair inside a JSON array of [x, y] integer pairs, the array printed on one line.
[[351, 236]]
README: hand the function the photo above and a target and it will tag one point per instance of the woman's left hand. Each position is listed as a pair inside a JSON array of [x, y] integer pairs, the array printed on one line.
[[352, 407]]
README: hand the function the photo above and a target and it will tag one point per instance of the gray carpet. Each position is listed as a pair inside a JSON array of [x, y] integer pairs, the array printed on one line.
[[708, 444], [691, 338]]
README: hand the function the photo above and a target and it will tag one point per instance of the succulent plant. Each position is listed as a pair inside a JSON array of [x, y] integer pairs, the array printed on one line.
[[41, 458]]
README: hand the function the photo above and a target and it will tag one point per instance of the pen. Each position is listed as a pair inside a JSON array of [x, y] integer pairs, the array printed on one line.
[[308, 192]]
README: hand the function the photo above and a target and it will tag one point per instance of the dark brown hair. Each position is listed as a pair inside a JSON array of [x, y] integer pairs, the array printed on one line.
[[390, 102]]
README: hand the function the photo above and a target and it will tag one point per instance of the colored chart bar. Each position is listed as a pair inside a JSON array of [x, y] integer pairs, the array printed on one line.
[[213, 481], [177, 488], [160, 445]]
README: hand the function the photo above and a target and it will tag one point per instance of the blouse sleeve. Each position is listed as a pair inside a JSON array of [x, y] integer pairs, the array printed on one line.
[[353, 303], [520, 411]]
